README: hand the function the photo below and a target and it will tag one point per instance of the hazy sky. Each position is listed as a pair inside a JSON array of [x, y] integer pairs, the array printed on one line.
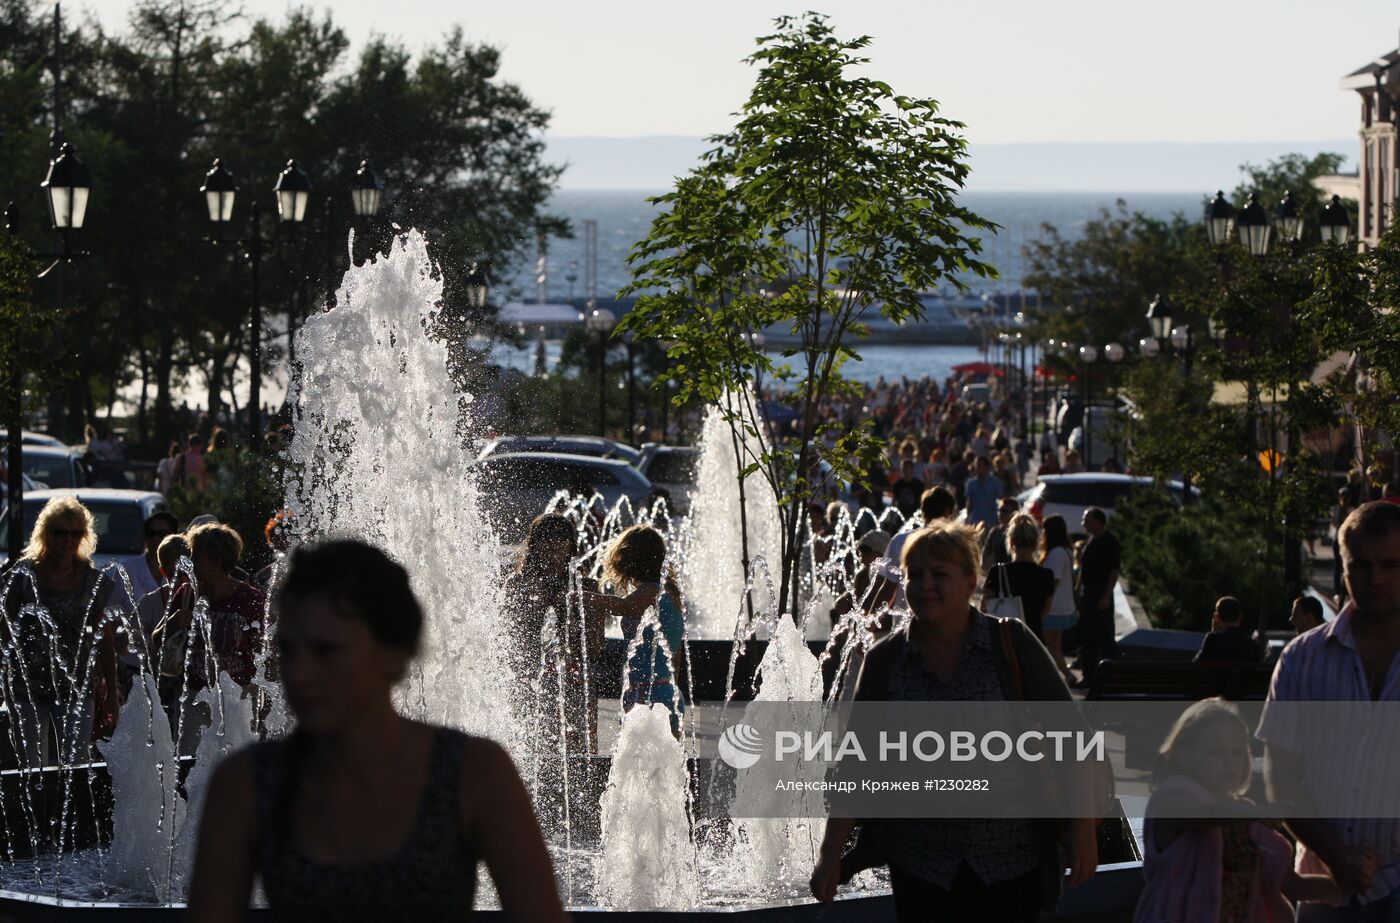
[[1014, 70]]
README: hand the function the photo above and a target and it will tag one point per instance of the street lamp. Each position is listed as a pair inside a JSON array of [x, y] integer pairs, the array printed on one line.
[[219, 192], [293, 190], [1288, 219], [1115, 353], [1335, 223], [1253, 225], [1159, 317], [68, 186], [601, 321], [1088, 355], [366, 189], [478, 283], [1220, 219], [1020, 341]]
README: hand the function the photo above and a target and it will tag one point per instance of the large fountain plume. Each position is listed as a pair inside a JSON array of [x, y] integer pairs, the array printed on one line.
[[379, 454]]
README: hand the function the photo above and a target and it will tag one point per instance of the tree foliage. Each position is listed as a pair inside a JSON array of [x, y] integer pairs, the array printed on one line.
[[832, 198], [1284, 316], [149, 107]]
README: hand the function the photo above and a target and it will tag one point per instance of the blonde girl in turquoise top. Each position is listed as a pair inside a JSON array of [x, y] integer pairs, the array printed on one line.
[[635, 565]]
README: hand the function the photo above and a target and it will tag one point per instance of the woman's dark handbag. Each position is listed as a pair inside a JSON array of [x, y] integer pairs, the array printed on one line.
[[1051, 834]]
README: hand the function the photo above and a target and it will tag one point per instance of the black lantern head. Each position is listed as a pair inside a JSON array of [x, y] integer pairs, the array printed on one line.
[[293, 192], [1288, 219], [366, 188], [68, 185], [1159, 315], [1220, 219], [219, 191], [1335, 223], [1254, 227], [478, 285]]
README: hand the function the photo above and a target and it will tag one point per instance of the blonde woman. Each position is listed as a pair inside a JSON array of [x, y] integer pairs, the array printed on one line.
[[635, 564], [62, 674], [957, 868]]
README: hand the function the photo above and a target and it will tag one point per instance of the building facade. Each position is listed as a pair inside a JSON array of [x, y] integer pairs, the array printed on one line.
[[1378, 175]]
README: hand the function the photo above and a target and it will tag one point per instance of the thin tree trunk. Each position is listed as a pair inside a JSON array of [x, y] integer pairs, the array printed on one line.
[[142, 432], [215, 384], [164, 368]]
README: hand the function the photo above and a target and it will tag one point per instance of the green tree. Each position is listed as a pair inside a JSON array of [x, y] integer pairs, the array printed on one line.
[[832, 197], [1352, 307], [1098, 286], [151, 105]]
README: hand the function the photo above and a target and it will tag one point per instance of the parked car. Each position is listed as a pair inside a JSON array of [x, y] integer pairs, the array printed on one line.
[[51, 467], [673, 468], [122, 475], [1069, 495], [119, 516], [566, 445], [28, 483], [516, 486], [29, 437]]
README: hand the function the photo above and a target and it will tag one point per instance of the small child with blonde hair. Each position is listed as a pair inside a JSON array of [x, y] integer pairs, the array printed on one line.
[[1208, 854]]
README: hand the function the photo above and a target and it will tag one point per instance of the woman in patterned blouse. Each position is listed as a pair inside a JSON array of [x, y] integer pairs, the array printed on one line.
[[958, 869]]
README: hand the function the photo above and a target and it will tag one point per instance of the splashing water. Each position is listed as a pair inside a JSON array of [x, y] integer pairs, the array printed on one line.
[[379, 451], [231, 731], [782, 850], [147, 809], [713, 578], [648, 861]]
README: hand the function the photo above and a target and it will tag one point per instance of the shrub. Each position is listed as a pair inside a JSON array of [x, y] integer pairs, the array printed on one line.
[[1180, 560]]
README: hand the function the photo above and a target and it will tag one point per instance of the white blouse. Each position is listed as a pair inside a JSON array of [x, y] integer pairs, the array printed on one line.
[[1062, 566]]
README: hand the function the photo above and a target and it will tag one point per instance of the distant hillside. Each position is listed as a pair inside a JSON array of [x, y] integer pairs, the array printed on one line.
[[650, 162]]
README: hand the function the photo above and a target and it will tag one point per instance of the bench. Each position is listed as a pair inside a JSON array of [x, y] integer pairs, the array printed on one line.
[[1132, 683], [1168, 681]]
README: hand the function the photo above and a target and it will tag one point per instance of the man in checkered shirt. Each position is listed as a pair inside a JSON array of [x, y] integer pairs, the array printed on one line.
[[1341, 775]]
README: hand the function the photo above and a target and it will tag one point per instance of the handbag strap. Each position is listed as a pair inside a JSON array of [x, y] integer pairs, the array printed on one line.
[[1003, 582]]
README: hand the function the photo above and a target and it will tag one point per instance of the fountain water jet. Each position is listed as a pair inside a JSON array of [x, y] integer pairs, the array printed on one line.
[[379, 453]]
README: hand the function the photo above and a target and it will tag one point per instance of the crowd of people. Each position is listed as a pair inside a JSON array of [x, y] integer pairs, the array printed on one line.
[[949, 608], [67, 621]]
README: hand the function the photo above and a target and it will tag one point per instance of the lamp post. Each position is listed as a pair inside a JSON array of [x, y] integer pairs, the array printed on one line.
[[601, 321], [628, 340], [1254, 230], [478, 283], [1159, 319], [1088, 355], [666, 347], [366, 194], [1115, 353], [67, 187], [220, 191], [1021, 385]]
